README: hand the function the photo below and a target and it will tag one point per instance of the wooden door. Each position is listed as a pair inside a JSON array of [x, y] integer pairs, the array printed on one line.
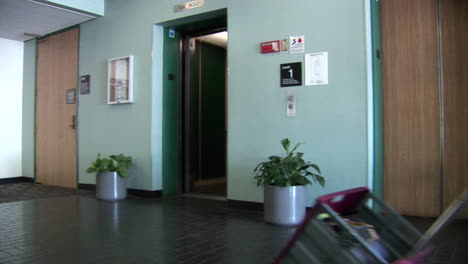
[[454, 27], [57, 70], [412, 150]]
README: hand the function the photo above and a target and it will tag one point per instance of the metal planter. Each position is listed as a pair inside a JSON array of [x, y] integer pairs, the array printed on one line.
[[110, 186], [284, 205]]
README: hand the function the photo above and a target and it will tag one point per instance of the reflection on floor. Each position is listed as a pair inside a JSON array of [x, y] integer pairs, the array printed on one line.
[[81, 229], [215, 186], [450, 245], [59, 225]]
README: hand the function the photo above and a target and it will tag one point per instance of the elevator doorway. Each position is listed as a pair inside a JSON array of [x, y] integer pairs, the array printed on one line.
[[194, 144], [204, 118]]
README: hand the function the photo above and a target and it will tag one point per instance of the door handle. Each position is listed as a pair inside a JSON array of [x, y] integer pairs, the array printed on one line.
[[73, 124]]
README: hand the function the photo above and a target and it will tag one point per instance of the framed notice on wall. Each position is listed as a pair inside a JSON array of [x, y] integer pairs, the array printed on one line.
[[120, 80]]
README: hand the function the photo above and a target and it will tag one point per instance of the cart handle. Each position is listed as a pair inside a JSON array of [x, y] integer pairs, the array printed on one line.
[[344, 200]]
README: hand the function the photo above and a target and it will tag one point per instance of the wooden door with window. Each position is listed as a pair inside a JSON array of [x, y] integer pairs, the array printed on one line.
[[57, 70]]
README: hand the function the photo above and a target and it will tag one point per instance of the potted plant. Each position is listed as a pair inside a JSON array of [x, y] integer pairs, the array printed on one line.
[[284, 180], [111, 176]]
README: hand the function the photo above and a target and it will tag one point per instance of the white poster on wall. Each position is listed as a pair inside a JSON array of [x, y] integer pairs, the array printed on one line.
[[316, 68]]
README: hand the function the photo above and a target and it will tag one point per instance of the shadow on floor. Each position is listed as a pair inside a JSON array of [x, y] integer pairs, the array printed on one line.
[[215, 186]]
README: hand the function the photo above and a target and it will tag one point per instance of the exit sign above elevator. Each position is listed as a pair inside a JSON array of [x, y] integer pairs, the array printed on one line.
[[188, 5]]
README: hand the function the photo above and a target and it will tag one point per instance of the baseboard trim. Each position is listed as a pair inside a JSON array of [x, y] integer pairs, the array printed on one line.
[[136, 192], [146, 193], [16, 179], [245, 205], [86, 186], [251, 205]]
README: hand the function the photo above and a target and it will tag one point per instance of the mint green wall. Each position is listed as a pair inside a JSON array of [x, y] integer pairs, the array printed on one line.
[[378, 100], [157, 109], [91, 6], [29, 87], [121, 128], [134, 129], [331, 119]]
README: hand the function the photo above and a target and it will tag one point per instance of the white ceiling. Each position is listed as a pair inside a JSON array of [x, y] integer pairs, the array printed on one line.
[[18, 17], [25, 19], [218, 39]]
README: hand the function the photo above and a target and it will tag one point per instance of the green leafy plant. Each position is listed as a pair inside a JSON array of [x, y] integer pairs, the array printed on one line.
[[290, 170], [114, 163]]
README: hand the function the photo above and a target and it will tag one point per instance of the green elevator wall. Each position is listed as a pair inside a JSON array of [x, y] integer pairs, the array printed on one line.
[[331, 120], [170, 147], [378, 98], [213, 104]]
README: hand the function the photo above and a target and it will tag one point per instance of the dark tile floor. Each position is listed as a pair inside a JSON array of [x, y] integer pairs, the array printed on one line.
[[22, 191], [71, 226], [451, 245], [81, 229], [216, 187]]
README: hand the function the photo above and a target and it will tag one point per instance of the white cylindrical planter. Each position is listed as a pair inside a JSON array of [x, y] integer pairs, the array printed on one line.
[[284, 205], [110, 186]]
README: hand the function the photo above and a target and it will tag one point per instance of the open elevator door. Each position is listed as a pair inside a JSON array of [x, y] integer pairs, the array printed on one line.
[[186, 125], [204, 112]]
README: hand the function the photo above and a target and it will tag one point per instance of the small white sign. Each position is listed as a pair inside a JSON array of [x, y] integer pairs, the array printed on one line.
[[296, 44], [291, 102], [316, 68]]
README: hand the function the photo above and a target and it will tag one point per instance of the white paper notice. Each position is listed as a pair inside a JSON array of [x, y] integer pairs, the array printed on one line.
[[316, 68], [291, 102]]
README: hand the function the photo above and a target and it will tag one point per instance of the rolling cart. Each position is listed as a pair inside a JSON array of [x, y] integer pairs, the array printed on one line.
[[354, 227]]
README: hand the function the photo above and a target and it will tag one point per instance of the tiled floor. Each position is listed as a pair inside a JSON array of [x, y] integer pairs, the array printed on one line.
[[451, 246], [74, 227], [216, 187], [81, 229], [22, 191]]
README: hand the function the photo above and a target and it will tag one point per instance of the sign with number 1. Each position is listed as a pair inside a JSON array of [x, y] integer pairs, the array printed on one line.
[[291, 74]]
